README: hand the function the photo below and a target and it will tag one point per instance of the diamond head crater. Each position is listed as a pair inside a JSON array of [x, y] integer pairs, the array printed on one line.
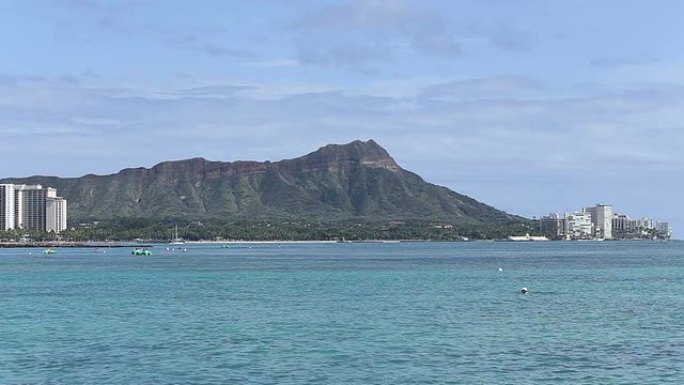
[[353, 191]]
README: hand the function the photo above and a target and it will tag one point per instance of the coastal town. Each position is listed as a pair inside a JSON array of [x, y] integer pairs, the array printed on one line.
[[39, 208], [599, 222]]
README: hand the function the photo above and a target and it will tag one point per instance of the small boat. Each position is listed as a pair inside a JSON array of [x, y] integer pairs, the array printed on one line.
[[49, 251], [176, 240], [141, 252]]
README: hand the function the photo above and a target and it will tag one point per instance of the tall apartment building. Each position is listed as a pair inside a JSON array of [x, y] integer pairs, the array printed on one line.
[[34, 207], [6, 206], [602, 219], [551, 226]]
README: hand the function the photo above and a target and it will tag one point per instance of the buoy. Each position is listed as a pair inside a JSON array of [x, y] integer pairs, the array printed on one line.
[[524, 290], [500, 269]]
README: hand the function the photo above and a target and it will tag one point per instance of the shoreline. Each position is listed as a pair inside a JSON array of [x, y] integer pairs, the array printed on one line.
[[103, 245], [233, 242], [93, 244]]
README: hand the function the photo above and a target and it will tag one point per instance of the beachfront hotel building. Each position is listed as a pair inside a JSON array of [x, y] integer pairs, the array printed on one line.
[[622, 224], [32, 207], [6, 207], [602, 219], [578, 226], [552, 226]]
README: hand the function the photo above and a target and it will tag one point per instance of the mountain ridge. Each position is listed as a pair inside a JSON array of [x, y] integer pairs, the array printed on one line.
[[336, 182]]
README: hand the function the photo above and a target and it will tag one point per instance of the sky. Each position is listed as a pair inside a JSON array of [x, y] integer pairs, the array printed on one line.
[[532, 106]]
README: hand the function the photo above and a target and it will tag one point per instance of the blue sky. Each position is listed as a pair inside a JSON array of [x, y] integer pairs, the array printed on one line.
[[531, 106]]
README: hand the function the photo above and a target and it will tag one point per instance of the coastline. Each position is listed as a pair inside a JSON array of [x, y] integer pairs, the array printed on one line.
[[94, 244], [14, 245], [234, 242]]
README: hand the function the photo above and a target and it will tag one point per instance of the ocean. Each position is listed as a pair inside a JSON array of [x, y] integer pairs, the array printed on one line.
[[398, 313]]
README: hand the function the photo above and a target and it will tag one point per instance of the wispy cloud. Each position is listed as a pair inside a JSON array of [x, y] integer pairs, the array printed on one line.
[[615, 62], [273, 63], [487, 120], [365, 31], [502, 36], [194, 43], [79, 19], [493, 87]]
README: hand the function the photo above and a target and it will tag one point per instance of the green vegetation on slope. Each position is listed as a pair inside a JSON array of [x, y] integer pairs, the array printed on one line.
[[354, 183]]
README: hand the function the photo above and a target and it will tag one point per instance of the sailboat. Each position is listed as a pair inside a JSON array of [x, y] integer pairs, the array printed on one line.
[[176, 240]]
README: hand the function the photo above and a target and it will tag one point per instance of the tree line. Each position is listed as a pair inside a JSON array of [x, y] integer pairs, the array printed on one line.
[[162, 230]]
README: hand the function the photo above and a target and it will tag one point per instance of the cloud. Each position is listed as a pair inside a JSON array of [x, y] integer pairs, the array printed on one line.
[[89, 21], [8, 81], [88, 5], [492, 87], [340, 53], [359, 32], [503, 36], [218, 91], [497, 122], [273, 63], [92, 22], [191, 41], [616, 62]]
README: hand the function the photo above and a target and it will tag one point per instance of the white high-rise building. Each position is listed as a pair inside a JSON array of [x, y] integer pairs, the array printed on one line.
[[56, 214], [602, 219], [32, 207], [6, 206]]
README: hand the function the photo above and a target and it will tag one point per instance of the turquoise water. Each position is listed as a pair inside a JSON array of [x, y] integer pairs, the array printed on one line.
[[410, 313]]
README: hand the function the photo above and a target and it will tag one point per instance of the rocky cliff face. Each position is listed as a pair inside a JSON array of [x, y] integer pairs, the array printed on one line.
[[336, 182]]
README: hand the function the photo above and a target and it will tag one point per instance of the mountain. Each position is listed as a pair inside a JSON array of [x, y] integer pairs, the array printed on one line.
[[358, 180]]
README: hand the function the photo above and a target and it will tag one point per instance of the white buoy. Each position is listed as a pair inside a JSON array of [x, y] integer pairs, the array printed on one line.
[[524, 290], [500, 269]]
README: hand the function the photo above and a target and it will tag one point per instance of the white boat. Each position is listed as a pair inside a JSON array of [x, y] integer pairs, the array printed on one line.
[[527, 238], [176, 240]]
